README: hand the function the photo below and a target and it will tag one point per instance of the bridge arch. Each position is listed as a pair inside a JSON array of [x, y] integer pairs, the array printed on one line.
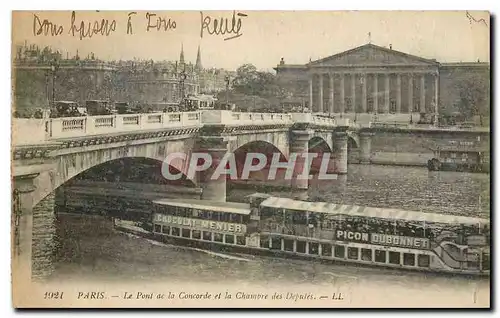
[[319, 146], [352, 139], [353, 150], [259, 146], [67, 166], [318, 143], [278, 138], [134, 169]]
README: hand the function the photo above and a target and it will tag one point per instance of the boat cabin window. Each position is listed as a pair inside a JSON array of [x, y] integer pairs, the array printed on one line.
[[409, 259], [326, 250], [166, 230], [202, 214], [472, 260], [394, 258], [264, 242], [157, 228], [183, 212], [267, 212], [313, 248], [301, 247], [295, 217], [276, 243], [186, 232], [366, 254], [486, 262], [197, 234], [352, 252], [288, 245], [218, 237], [241, 240], [423, 260], [176, 231], [229, 239], [207, 236], [380, 256], [339, 251]]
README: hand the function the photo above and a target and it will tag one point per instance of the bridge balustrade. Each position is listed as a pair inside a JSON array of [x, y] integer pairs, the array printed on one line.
[[109, 124], [32, 131], [227, 117]]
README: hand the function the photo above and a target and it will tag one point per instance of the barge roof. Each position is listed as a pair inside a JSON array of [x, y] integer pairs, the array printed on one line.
[[362, 211], [228, 207]]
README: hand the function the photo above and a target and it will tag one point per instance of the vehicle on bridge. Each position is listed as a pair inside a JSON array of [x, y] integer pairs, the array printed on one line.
[[165, 107], [127, 108], [290, 228], [199, 102], [67, 109], [100, 107]]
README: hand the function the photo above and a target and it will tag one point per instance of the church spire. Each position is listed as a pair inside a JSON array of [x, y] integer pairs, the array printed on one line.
[[198, 67], [181, 59]]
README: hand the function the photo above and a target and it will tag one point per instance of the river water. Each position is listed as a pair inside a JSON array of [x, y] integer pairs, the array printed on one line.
[[122, 257]]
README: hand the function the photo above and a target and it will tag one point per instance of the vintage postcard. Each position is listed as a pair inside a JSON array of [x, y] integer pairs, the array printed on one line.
[[320, 159]]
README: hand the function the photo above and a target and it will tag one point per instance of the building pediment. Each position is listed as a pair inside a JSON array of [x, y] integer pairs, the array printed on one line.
[[372, 55]]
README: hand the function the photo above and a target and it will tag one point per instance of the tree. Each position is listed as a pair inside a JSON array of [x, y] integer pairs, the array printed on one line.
[[474, 97], [252, 89]]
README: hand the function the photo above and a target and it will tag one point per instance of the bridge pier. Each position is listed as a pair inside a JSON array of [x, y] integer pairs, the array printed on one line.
[[332, 164], [44, 237], [340, 149], [365, 146], [214, 189], [299, 144], [34, 231], [22, 229]]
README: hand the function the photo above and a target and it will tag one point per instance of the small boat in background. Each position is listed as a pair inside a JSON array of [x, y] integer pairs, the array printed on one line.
[[463, 156]]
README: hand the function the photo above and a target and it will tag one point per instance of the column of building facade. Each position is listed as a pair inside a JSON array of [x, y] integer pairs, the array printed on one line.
[[387, 96], [320, 104], [331, 107], [363, 103], [398, 93], [436, 97], [342, 93], [311, 92], [353, 91], [422, 93], [410, 92], [375, 92]]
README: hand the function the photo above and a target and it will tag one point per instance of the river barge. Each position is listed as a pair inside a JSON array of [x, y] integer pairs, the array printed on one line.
[[330, 232]]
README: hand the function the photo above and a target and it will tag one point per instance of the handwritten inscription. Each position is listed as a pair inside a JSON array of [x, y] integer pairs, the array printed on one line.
[[87, 29], [473, 19], [129, 22], [45, 27], [231, 27], [82, 29], [222, 26], [158, 23]]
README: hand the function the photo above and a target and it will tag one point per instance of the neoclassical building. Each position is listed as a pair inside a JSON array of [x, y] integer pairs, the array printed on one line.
[[378, 80]]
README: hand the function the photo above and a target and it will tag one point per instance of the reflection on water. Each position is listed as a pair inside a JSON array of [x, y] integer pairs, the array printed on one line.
[[402, 187], [119, 256]]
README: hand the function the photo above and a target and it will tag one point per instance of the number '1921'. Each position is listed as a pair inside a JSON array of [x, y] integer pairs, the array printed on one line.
[[53, 295]]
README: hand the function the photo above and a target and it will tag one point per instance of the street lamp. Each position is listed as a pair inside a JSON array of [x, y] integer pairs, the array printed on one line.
[[227, 78], [182, 79], [54, 66]]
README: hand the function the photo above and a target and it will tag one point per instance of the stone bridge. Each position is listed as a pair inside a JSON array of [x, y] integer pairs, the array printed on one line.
[[49, 152]]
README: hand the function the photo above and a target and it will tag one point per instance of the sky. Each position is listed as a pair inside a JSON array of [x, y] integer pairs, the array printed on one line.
[[265, 36]]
